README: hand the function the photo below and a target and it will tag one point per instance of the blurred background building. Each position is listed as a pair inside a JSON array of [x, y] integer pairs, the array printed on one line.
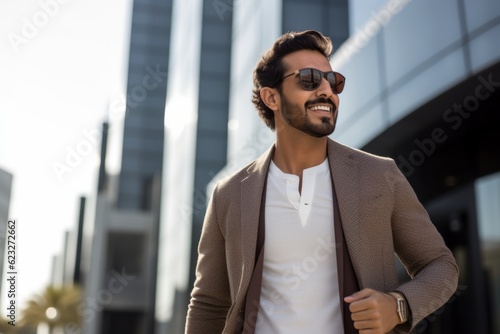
[[425, 91], [423, 81], [119, 266]]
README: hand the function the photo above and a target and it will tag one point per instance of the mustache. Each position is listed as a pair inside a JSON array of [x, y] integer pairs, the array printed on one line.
[[322, 100]]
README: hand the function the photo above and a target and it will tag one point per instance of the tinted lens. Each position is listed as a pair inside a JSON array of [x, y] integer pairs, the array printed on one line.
[[310, 78], [336, 81]]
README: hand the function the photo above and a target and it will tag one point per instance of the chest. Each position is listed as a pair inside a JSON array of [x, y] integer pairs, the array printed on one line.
[[298, 223]]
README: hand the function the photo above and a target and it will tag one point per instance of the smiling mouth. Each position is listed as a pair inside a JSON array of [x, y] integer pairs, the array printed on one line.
[[321, 105], [323, 108]]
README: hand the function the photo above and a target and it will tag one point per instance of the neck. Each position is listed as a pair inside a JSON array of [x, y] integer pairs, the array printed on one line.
[[295, 153]]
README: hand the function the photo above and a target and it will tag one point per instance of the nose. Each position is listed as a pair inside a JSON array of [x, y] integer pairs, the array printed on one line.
[[324, 89]]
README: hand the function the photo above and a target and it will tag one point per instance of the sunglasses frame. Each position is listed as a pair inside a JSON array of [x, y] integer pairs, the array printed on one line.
[[323, 75]]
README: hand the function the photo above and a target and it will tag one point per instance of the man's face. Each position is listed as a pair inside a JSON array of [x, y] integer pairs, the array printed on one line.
[[312, 112]]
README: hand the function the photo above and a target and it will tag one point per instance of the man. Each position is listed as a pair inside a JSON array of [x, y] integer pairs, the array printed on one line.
[[302, 240]]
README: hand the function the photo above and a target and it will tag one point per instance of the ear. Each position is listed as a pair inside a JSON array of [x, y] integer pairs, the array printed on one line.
[[271, 98]]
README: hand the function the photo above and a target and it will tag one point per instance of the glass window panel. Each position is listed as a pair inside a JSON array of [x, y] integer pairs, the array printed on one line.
[[310, 16], [488, 197], [216, 60], [212, 148], [362, 81], [427, 84], [126, 252], [488, 214], [417, 33], [216, 122], [361, 12], [338, 26], [216, 34], [478, 12], [485, 49], [213, 89], [362, 130]]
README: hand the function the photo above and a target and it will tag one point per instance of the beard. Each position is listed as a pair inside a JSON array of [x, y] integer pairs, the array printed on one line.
[[297, 117]]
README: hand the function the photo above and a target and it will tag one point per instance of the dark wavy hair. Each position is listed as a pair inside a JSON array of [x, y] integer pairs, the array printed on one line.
[[270, 69]]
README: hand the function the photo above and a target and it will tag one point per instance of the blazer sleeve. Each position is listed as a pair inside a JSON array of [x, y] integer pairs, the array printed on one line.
[[421, 249], [210, 297]]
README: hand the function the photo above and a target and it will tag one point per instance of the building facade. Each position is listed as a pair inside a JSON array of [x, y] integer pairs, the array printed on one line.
[[120, 260], [143, 133], [426, 94]]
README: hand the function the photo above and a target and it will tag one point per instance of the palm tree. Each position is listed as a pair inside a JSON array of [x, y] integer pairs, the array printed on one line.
[[5, 328], [57, 306]]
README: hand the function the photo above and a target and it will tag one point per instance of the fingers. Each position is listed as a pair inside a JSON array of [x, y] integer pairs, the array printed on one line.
[[365, 315], [368, 303], [365, 293], [372, 312], [373, 325], [368, 326]]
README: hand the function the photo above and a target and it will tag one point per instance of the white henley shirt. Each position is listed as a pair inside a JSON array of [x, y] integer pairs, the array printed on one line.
[[299, 292]]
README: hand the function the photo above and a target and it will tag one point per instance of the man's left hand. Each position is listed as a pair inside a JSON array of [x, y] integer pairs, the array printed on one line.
[[373, 312]]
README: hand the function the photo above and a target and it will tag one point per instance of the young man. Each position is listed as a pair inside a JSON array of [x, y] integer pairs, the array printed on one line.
[[302, 240]]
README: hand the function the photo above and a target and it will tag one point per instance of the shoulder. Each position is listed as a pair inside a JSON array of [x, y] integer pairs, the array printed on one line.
[[251, 174], [233, 180], [362, 157]]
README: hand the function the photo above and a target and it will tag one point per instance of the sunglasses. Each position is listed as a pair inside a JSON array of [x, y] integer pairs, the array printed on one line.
[[310, 79]]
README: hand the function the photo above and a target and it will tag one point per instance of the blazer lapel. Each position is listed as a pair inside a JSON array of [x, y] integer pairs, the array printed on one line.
[[251, 193], [251, 198], [344, 173]]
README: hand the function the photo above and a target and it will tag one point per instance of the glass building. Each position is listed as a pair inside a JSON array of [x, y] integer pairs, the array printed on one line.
[[423, 86], [143, 133], [124, 243]]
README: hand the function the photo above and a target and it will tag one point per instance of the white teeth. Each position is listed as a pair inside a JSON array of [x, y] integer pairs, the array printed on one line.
[[325, 108]]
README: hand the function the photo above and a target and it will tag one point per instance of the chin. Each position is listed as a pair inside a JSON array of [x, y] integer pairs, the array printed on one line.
[[323, 130]]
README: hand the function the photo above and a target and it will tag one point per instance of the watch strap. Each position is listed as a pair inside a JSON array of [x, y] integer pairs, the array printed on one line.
[[402, 304]]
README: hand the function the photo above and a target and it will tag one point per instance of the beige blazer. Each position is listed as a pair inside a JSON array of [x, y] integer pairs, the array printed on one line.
[[381, 216]]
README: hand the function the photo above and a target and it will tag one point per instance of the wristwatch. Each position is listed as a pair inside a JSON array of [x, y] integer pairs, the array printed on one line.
[[403, 310]]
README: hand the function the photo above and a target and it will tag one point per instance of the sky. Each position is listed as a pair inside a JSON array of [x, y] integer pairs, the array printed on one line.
[[62, 63]]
